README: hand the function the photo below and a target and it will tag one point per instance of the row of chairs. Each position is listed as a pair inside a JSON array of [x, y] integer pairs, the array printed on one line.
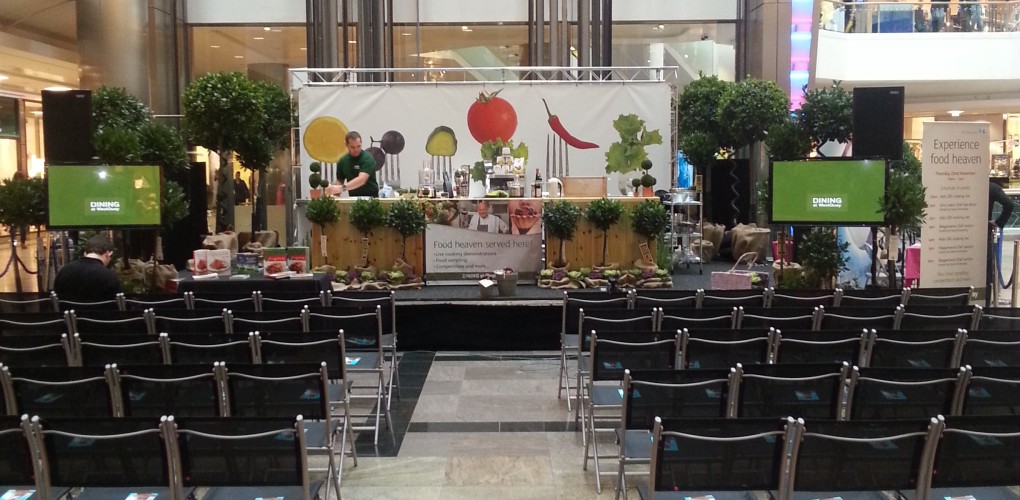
[[954, 457], [257, 301], [169, 458], [770, 297], [193, 354]]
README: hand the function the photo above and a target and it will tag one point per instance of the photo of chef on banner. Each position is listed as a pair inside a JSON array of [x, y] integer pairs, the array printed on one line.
[[486, 219]]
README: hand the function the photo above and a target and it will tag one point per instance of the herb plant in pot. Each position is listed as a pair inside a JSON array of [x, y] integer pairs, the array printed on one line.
[[560, 220], [604, 213], [323, 211], [366, 215], [407, 217]]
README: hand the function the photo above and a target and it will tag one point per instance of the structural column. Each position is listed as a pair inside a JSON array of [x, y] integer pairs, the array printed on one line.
[[113, 45]]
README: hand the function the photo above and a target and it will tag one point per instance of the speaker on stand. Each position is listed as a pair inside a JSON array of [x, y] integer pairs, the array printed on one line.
[[878, 123], [67, 126]]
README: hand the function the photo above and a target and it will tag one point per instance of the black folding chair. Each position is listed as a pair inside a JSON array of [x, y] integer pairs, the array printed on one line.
[[992, 391], [294, 320], [111, 322], [991, 348], [791, 318], [101, 350], [218, 302], [724, 348], [953, 296], [821, 347], [668, 394], [916, 349], [19, 471], [870, 298], [162, 301], [56, 392], [811, 391], [17, 303], [977, 457], [207, 349], [733, 298], [667, 299], [937, 318], [901, 393], [800, 298], [156, 390], [275, 301], [37, 350], [846, 459], [718, 457], [388, 303], [857, 318], [573, 302], [715, 317], [187, 321], [35, 324]]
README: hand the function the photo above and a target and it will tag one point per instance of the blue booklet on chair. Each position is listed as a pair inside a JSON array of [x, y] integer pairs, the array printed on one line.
[[142, 496], [350, 362], [17, 494]]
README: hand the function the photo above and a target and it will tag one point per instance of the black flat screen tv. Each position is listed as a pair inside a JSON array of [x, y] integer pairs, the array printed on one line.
[[844, 192], [104, 196]]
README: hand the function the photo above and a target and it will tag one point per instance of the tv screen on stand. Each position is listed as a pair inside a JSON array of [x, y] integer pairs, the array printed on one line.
[[836, 192], [104, 196]]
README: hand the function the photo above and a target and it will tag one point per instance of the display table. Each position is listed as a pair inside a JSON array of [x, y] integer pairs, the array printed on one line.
[[234, 286], [912, 266]]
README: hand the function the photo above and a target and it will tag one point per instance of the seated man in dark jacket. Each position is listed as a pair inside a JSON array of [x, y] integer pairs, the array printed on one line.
[[88, 279]]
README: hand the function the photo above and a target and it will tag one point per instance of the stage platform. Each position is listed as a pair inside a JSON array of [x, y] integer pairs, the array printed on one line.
[[456, 318]]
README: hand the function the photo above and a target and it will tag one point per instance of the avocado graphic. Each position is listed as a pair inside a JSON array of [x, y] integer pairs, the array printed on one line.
[[442, 142]]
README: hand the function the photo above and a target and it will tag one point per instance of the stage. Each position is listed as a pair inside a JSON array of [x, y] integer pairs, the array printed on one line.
[[456, 318]]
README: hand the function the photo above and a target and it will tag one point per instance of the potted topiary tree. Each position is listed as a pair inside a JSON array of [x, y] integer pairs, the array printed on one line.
[[822, 256], [827, 115], [904, 204], [699, 128], [560, 221], [257, 150], [407, 217], [323, 211], [647, 181], [315, 180], [649, 219], [365, 216], [604, 213], [220, 110]]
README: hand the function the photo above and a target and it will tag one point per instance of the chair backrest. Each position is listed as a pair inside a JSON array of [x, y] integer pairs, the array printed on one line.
[[733, 298], [187, 321], [821, 347], [953, 296], [714, 455], [639, 351], [16, 303], [724, 348], [891, 393], [143, 302], [60, 304], [362, 325], [35, 324], [156, 390], [279, 390], [362, 299], [16, 464], [856, 318], [791, 318], [101, 350], [672, 299], [978, 452], [238, 452], [937, 318], [268, 301], [714, 317], [871, 298], [992, 391], [807, 297], [1000, 319], [293, 320], [916, 349], [673, 394], [56, 392], [810, 391], [37, 350], [864, 456], [573, 302], [991, 348], [97, 452], [313, 348], [207, 349], [616, 320], [216, 302], [110, 322]]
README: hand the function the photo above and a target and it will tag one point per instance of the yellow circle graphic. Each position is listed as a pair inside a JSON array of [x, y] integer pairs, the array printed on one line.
[[324, 139]]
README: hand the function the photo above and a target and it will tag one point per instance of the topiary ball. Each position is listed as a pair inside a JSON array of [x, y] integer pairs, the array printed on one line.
[[647, 180], [646, 164]]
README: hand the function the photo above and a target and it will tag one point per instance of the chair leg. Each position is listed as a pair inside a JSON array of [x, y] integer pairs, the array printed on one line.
[[579, 414], [379, 390], [594, 449], [621, 481]]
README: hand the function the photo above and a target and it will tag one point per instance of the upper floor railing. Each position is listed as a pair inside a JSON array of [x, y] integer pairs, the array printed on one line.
[[920, 16]]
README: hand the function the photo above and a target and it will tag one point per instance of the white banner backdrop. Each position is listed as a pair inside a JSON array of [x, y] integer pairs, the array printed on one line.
[[586, 111], [954, 237]]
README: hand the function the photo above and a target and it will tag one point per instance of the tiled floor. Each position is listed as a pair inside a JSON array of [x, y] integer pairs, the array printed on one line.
[[475, 427]]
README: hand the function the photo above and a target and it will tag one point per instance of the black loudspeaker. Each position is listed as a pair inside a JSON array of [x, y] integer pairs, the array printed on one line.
[[67, 126], [878, 122]]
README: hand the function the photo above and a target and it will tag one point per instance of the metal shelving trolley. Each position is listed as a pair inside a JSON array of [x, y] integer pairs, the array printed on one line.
[[686, 226]]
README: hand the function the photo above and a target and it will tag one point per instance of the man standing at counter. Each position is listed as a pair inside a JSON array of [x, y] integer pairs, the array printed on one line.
[[355, 172]]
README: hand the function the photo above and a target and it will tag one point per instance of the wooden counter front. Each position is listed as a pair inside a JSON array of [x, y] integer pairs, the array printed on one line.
[[585, 250]]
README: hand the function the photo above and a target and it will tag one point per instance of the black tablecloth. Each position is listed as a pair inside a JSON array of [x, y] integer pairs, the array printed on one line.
[[224, 285]]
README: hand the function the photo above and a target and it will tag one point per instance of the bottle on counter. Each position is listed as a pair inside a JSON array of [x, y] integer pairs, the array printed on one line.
[[536, 187]]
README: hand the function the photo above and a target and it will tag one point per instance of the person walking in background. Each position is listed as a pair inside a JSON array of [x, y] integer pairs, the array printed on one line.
[[241, 192], [939, 10], [88, 279]]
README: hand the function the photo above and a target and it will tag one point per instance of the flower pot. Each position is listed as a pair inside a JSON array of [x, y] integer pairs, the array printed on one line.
[[507, 284], [314, 194], [647, 192]]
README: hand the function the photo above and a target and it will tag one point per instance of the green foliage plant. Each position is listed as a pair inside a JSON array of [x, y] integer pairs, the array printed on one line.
[[220, 111], [627, 154], [604, 213], [904, 203], [322, 211], [649, 219], [23, 202], [366, 215], [117, 145], [560, 221], [748, 109], [822, 256], [827, 114], [114, 107], [491, 149], [175, 205], [257, 150], [407, 217], [788, 140], [163, 145]]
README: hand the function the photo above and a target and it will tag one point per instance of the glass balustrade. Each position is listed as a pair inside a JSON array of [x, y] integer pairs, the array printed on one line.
[[920, 16]]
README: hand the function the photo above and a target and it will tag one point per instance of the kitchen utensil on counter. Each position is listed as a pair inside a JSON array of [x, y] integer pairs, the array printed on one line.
[[516, 188], [554, 187]]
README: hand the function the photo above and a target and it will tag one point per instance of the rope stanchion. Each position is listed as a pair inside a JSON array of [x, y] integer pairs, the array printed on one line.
[[998, 264]]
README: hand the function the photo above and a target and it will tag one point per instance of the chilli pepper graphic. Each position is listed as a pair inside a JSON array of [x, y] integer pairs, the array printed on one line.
[[554, 122]]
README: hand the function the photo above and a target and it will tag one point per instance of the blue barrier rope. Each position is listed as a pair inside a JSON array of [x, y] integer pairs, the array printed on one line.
[[998, 265]]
